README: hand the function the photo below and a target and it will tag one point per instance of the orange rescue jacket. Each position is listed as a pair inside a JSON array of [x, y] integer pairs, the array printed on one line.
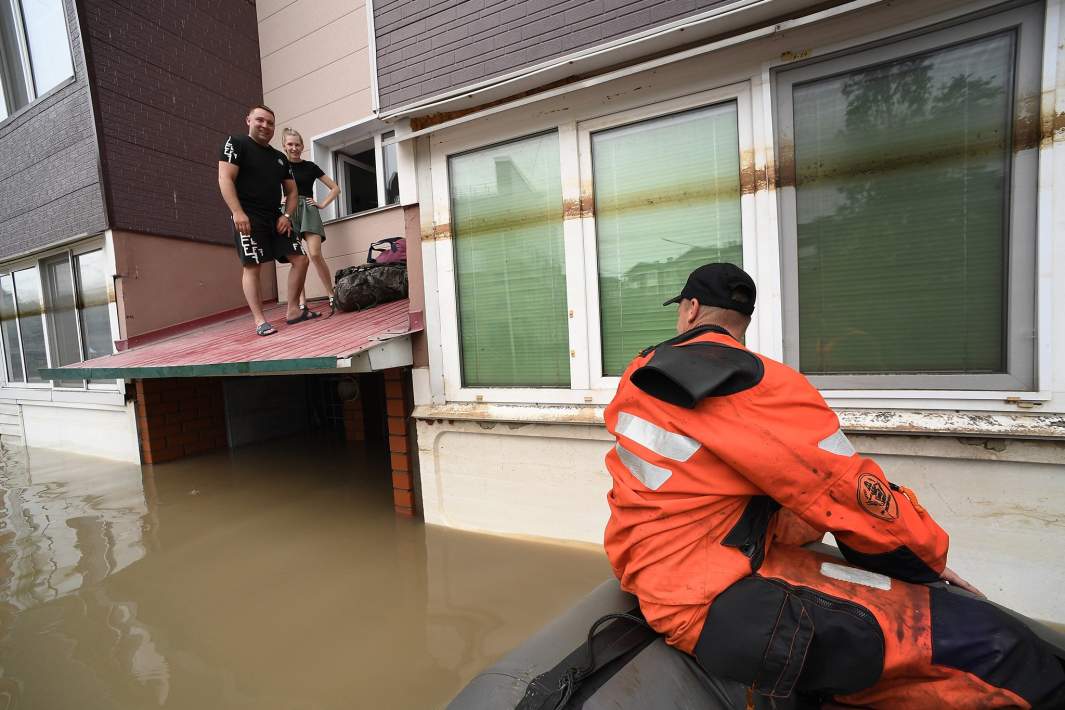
[[712, 441]]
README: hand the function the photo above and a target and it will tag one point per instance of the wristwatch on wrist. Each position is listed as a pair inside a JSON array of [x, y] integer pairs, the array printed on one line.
[[287, 216]]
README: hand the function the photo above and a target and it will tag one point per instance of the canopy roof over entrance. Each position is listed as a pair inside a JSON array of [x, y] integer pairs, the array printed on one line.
[[373, 339]]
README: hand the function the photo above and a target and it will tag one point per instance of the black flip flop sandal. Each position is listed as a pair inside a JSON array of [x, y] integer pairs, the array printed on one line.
[[265, 329], [304, 315]]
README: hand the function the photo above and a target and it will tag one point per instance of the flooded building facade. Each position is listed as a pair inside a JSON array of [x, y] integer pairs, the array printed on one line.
[[111, 228], [889, 173], [117, 248]]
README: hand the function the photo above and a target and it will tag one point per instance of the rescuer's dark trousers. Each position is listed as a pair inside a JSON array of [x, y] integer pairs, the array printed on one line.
[[810, 623]]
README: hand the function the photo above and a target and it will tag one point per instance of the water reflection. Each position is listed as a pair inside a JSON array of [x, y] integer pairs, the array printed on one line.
[[275, 577], [902, 176]]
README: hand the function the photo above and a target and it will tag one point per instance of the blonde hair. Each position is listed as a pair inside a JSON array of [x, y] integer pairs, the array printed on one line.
[[291, 132]]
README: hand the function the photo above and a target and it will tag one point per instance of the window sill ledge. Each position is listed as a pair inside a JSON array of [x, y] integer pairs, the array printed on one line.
[[905, 422], [365, 213], [586, 414]]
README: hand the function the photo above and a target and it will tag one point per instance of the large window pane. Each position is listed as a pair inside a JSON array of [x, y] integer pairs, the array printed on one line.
[[506, 219], [61, 314], [15, 92], [28, 302], [12, 349], [93, 306], [667, 199], [902, 173], [46, 34], [359, 180]]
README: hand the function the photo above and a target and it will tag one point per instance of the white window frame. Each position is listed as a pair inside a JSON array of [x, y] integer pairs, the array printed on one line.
[[25, 61], [339, 159], [739, 94], [1021, 296], [35, 262], [766, 332], [587, 384]]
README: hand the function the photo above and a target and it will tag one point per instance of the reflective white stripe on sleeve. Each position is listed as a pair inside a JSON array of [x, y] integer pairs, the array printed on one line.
[[663, 442], [648, 474], [838, 443], [857, 576]]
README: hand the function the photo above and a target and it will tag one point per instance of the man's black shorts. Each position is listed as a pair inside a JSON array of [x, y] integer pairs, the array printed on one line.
[[265, 242]]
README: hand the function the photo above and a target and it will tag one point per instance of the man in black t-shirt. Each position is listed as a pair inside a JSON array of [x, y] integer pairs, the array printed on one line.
[[250, 176]]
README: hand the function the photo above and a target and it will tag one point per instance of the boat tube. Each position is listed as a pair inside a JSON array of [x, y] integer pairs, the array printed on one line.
[[629, 667]]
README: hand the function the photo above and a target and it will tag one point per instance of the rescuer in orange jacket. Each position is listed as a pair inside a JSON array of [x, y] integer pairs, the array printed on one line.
[[726, 461]]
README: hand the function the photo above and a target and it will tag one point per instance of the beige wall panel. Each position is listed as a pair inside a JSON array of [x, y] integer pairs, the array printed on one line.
[[166, 281], [320, 88], [325, 119], [415, 278], [301, 19], [346, 243], [266, 8], [318, 50]]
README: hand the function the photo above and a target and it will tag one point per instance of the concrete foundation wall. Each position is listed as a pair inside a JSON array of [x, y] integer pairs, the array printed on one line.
[[109, 432], [1006, 518], [517, 479]]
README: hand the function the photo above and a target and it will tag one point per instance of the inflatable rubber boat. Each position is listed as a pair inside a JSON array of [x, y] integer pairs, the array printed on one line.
[[600, 655]]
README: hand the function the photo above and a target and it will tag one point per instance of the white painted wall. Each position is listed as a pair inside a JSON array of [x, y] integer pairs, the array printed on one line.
[[10, 423], [1006, 519], [537, 480], [105, 431]]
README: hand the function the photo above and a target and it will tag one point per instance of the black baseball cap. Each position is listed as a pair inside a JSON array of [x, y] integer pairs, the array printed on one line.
[[721, 285]]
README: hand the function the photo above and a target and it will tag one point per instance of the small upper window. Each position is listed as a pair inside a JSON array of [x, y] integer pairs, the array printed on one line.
[[368, 175], [34, 51]]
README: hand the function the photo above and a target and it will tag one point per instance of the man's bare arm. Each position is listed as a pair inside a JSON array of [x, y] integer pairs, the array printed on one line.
[[284, 222], [227, 184]]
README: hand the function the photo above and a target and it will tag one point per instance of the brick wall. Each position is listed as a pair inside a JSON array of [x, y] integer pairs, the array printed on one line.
[[50, 186], [425, 47], [171, 79], [398, 404], [179, 417]]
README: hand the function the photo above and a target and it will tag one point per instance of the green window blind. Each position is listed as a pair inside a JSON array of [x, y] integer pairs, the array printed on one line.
[[902, 176], [506, 221], [667, 200]]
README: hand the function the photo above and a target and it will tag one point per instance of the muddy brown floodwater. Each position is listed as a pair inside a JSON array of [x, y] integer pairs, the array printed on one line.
[[269, 577]]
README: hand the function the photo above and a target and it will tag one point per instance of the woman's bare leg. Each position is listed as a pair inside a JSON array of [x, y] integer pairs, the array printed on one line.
[[314, 251]]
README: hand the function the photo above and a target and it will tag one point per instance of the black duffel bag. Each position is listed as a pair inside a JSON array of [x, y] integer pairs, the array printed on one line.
[[371, 284]]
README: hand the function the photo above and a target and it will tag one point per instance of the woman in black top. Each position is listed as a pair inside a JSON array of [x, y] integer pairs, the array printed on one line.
[[307, 221]]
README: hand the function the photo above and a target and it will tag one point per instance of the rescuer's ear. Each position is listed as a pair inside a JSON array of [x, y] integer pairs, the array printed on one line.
[[693, 310]]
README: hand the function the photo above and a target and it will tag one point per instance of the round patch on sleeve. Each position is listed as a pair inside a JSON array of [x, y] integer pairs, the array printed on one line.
[[876, 498]]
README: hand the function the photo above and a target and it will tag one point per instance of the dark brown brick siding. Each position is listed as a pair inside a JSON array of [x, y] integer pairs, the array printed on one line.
[[50, 187], [172, 79], [425, 47]]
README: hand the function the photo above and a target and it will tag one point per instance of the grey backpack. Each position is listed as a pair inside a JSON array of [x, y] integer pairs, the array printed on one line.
[[369, 285]]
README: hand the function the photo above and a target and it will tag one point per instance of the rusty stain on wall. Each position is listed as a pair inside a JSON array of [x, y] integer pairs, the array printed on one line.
[[418, 123], [983, 424], [437, 231]]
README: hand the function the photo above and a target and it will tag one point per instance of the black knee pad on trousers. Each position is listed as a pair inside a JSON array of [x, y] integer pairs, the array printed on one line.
[[975, 636], [777, 638]]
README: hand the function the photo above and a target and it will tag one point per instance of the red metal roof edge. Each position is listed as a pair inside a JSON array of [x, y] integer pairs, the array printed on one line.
[[170, 331]]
